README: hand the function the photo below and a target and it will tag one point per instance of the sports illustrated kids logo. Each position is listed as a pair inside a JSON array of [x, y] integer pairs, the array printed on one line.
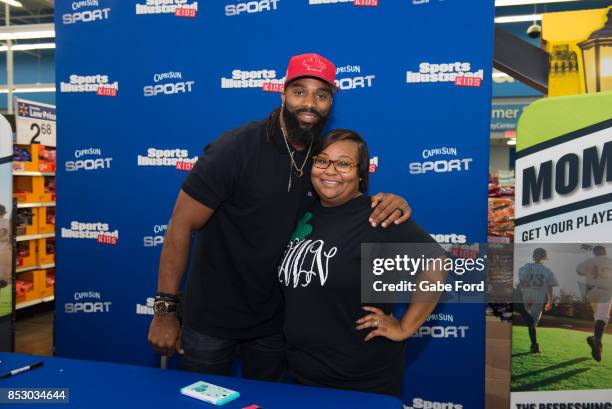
[[179, 8], [99, 83], [175, 158], [458, 73], [98, 231]]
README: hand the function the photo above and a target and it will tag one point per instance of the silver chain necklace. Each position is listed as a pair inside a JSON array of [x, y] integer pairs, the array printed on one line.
[[299, 171]]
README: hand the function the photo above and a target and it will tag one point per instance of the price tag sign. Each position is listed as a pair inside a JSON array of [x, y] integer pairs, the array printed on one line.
[[35, 122]]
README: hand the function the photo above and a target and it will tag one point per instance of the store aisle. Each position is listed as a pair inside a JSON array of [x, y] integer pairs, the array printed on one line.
[[34, 334]]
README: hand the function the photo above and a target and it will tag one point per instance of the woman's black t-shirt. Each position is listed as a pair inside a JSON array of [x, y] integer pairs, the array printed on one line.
[[320, 278]]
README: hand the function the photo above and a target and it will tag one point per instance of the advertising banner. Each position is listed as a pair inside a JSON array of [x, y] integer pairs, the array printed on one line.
[[134, 115], [560, 349], [6, 233]]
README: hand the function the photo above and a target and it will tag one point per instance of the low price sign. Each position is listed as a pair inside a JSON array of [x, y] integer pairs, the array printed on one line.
[[35, 123]]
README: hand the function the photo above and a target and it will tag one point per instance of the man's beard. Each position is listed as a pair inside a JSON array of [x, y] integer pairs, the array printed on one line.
[[299, 135]]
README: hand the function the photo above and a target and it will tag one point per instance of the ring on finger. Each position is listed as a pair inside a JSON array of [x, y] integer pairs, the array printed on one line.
[[376, 323], [400, 210]]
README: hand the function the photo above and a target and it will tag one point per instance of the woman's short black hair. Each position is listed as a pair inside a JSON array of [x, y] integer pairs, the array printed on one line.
[[363, 156]]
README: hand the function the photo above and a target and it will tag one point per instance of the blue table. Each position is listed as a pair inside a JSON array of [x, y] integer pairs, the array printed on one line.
[[105, 385]]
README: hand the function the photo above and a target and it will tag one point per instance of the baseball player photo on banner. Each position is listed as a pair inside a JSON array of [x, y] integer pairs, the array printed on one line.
[[561, 338]]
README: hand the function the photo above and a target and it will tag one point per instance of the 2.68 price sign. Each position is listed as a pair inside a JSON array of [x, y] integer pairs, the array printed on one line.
[[35, 122]]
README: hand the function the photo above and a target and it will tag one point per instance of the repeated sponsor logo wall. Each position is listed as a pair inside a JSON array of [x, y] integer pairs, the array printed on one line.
[[186, 81]]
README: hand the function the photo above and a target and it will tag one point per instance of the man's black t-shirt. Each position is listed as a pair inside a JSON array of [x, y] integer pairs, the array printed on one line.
[[320, 278], [231, 289]]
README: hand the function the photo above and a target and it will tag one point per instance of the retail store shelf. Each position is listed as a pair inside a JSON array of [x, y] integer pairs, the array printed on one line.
[[30, 268], [24, 205], [17, 173], [34, 302], [35, 237]]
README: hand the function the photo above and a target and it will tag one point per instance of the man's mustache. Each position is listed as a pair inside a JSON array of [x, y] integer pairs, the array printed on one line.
[[310, 111]]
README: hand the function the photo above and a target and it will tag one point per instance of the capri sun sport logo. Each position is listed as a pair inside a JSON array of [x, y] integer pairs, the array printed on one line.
[[168, 83], [88, 159], [250, 7], [437, 163], [93, 13], [351, 77], [87, 302]]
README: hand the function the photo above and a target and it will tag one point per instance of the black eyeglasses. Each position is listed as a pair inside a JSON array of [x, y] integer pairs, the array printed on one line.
[[341, 165]]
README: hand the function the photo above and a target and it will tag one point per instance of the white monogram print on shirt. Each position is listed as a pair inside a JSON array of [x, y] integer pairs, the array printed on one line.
[[304, 259]]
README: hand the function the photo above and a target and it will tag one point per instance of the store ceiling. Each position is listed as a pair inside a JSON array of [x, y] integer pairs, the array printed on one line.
[[41, 11], [32, 12], [552, 7]]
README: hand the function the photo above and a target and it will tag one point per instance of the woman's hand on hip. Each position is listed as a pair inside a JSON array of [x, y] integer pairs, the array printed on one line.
[[384, 325]]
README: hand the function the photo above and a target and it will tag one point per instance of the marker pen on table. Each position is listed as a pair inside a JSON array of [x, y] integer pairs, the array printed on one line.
[[23, 369]]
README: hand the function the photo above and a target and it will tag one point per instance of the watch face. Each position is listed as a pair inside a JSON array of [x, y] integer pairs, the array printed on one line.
[[160, 307]]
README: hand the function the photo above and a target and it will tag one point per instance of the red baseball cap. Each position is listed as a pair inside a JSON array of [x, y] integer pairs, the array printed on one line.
[[311, 65]]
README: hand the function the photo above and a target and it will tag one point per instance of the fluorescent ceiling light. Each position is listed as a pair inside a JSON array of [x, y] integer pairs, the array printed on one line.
[[27, 47], [13, 3], [27, 35], [27, 31], [27, 88], [495, 74], [518, 19], [503, 3]]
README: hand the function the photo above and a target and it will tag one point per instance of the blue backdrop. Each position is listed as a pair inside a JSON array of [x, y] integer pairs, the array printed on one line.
[[430, 142]]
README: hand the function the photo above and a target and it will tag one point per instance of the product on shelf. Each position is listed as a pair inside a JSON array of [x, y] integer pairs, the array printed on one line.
[[22, 253], [25, 222], [49, 184], [22, 287], [46, 159], [501, 207], [21, 154], [501, 218], [50, 217], [50, 279], [50, 246], [35, 281]]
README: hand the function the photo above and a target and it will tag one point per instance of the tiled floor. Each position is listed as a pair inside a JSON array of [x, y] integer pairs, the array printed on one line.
[[34, 334], [498, 357]]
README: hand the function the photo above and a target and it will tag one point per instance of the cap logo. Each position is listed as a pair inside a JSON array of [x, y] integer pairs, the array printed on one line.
[[314, 63]]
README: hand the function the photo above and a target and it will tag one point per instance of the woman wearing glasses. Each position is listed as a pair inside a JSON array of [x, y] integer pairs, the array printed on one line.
[[332, 339]]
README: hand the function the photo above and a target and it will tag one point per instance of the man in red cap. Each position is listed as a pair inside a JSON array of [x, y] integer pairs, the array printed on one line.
[[243, 199]]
